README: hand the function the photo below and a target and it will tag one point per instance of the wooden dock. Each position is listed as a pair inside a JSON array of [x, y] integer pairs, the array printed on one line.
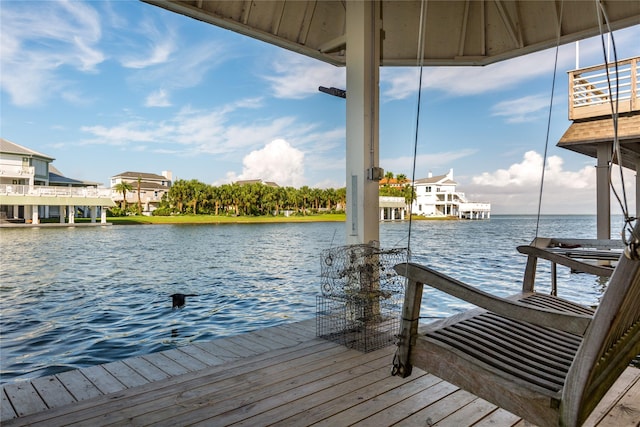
[[282, 375]]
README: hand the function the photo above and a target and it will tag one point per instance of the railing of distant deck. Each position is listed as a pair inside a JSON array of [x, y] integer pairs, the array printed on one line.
[[56, 191], [590, 94]]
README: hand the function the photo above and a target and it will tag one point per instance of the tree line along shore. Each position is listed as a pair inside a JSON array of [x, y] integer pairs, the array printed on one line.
[[235, 202]]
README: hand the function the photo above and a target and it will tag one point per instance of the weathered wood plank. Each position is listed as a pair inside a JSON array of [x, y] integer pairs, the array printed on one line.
[[468, 414], [434, 390], [379, 399], [627, 411], [433, 413], [167, 365], [238, 373], [6, 410], [307, 382], [203, 356], [246, 347], [627, 379], [265, 341], [125, 374], [102, 379], [301, 412], [498, 418], [194, 405], [306, 330], [216, 348], [279, 339], [184, 359], [24, 398], [78, 385], [52, 391], [146, 369], [275, 406]]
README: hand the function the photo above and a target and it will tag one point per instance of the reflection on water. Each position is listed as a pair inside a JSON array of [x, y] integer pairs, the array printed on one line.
[[74, 297]]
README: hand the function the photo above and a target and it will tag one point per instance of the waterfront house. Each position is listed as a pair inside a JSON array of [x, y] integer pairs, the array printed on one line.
[[32, 188], [151, 188], [437, 196]]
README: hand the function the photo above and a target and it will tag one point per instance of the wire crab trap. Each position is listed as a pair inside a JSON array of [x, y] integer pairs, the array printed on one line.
[[362, 296]]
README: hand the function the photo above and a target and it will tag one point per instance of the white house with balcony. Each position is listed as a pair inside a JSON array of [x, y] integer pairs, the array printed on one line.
[[149, 187], [31, 188], [437, 196]]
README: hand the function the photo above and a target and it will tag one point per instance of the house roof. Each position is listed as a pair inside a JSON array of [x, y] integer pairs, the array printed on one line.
[[142, 175], [584, 137], [256, 181], [439, 179], [9, 147]]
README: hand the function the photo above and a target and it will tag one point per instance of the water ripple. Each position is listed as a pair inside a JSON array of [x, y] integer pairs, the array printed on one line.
[[77, 297]]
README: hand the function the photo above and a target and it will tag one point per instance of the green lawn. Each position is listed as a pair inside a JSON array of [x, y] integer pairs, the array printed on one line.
[[212, 219]]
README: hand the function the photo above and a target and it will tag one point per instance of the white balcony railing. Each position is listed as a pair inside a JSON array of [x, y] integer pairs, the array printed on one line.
[[13, 171], [53, 191], [592, 89]]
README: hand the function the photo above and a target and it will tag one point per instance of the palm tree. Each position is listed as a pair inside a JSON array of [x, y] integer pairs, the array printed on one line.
[[123, 187], [139, 201]]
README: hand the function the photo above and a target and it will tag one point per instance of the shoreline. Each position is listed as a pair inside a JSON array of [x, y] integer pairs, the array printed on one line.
[[205, 220]]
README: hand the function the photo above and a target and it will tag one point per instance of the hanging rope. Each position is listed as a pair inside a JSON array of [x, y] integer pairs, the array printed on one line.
[[546, 142], [398, 367], [629, 235], [420, 64]]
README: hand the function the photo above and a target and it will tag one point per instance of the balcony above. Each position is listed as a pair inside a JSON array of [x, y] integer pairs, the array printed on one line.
[[592, 89], [590, 108]]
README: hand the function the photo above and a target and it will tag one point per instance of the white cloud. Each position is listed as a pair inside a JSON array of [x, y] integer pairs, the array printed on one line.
[[38, 42], [159, 54], [459, 81], [159, 98], [225, 130], [295, 76], [525, 109], [516, 189], [278, 161]]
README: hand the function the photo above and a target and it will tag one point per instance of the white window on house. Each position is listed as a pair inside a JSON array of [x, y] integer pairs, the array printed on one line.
[[428, 189]]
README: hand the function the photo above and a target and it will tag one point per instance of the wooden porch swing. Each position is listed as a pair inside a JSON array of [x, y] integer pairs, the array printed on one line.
[[538, 356], [541, 357]]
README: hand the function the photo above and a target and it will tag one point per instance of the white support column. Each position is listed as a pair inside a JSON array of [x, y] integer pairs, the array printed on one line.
[[363, 68], [28, 211], [62, 214], [603, 193], [35, 219], [103, 215], [72, 214], [93, 210]]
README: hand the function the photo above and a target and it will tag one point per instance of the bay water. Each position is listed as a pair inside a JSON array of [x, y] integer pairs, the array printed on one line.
[[79, 296]]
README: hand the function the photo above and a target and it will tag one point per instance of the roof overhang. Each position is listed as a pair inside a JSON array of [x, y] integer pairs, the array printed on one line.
[[584, 137], [456, 32]]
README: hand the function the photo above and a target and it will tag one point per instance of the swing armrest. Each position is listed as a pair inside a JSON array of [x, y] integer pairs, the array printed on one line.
[[572, 258], [419, 275]]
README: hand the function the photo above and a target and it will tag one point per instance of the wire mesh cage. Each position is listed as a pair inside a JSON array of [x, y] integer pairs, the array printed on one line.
[[361, 297]]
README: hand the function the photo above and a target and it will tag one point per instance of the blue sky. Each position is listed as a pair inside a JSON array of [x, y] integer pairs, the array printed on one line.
[[107, 87]]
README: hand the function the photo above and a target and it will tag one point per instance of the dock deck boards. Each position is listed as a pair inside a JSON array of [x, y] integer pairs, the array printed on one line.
[[282, 375]]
